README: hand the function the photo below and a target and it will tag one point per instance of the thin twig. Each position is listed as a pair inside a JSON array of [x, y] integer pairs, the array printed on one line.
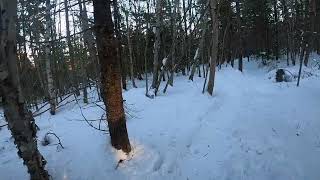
[[51, 133], [34, 113], [3, 125], [88, 121], [85, 120], [99, 106]]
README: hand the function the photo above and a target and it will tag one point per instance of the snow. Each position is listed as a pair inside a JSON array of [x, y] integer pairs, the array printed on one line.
[[252, 128], [164, 61]]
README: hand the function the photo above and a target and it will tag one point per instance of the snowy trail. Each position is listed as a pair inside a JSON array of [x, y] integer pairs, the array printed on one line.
[[246, 132], [251, 129], [254, 135]]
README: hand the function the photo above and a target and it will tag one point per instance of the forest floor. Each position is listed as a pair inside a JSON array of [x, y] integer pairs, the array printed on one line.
[[251, 129]]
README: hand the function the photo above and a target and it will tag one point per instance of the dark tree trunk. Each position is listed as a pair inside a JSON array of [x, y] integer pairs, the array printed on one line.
[[157, 44], [215, 42], [240, 45], [20, 120], [311, 24], [287, 27], [303, 49], [276, 46], [110, 75]]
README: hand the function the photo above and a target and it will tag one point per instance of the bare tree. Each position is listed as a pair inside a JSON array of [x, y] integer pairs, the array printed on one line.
[[20, 120], [51, 90], [130, 49], [307, 37], [110, 75], [196, 58], [70, 49], [215, 42], [240, 41], [174, 39], [157, 43]]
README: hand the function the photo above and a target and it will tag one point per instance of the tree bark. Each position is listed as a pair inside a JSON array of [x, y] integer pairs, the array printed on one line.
[[174, 41], [146, 62], [51, 90], [146, 51], [110, 75], [287, 27], [303, 49], [240, 44], [157, 43], [215, 38], [185, 46], [20, 120], [82, 58], [276, 37]]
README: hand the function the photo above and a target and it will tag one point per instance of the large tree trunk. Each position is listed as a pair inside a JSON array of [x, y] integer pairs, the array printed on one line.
[[51, 90], [215, 38], [110, 75], [20, 120], [157, 43]]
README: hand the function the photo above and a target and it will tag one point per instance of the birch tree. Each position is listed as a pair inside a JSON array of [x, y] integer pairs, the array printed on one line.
[[20, 120], [51, 90]]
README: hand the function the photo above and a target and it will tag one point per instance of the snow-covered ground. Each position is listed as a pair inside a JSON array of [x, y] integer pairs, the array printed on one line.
[[251, 129]]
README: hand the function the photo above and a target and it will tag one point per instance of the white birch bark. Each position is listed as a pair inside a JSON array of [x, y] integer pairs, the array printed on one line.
[[50, 85]]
